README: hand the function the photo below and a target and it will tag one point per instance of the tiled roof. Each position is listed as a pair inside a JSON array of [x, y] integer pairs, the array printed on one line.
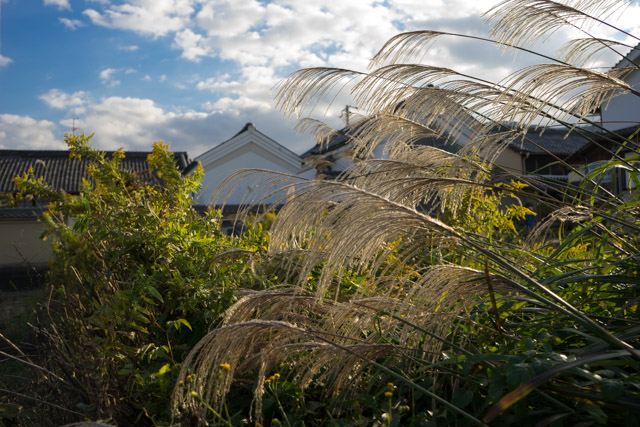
[[341, 138], [61, 172], [19, 213], [554, 141]]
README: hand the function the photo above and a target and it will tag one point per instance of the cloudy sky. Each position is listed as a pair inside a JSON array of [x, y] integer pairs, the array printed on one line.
[[193, 72]]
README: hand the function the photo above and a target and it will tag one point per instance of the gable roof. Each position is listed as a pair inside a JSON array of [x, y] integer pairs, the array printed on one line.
[[63, 173], [633, 55], [247, 135]]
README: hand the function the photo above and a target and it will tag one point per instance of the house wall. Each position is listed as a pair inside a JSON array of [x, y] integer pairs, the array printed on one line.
[[511, 161], [22, 244], [248, 156], [623, 110]]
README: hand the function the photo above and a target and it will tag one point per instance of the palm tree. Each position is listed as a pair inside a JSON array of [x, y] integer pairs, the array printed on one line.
[[413, 269]]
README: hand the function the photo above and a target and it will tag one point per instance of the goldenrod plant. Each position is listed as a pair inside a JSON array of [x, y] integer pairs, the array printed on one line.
[[138, 277]]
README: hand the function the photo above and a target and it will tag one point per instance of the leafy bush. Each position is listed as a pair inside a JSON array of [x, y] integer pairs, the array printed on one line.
[[135, 283]]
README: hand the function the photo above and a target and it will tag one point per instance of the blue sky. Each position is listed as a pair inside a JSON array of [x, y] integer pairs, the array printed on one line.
[[193, 72]]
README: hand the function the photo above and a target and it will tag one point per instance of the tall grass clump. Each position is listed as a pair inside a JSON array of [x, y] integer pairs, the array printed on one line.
[[415, 294]]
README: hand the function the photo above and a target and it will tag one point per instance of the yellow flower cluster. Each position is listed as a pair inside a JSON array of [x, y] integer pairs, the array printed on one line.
[[389, 392], [273, 377]]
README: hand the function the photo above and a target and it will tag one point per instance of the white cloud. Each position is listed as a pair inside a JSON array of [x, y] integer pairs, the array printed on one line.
[[56, 98], [131, 48], [72, 24], [153, 17], [128, 122], [191, 45], [61, 4], [261, 42], [107, 76], [135, 123], [230, 18], [28, 133], [4, 60], [220, 84]]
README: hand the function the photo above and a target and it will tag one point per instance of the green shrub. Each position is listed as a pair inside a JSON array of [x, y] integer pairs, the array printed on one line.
[[135, 282]]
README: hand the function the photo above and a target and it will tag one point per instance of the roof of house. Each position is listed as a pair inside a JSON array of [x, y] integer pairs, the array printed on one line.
[[631, 56], [556, 141], [551, 141], [61, 172], [21, 213], [342, 137], [339, 140], [250, 135]]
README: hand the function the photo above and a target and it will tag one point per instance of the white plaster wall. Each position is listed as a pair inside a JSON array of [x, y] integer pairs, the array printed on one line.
[[511, 161], [20, 243], [624, 110], [247, 158]]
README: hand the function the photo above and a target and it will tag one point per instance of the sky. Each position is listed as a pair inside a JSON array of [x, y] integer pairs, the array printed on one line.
[[193, 72]]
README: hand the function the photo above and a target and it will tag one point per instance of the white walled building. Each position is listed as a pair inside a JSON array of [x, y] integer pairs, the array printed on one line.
[[623, 111], [248, 149]]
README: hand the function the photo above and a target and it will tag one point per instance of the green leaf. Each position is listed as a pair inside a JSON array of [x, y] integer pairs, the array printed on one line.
[[154, 292], [462, 398], [597, 413], [611, 389], [495, 389], [185, 323], [518, 374], [178, 323]]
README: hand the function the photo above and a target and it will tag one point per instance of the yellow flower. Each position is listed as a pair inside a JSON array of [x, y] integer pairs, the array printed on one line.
[[277, 376], [390, 385], [388, 393], [225, 366]]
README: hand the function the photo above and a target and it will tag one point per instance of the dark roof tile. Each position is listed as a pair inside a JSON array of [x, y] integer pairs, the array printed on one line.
[[61, 172], [554, 141], [20, 213]]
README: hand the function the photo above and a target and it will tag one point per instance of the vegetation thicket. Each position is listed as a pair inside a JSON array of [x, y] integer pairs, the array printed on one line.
[[408, 291], [418, 297], [135, 282]]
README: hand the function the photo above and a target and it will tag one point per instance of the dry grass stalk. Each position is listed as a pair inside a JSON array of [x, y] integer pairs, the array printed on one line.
[[378, 219]]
